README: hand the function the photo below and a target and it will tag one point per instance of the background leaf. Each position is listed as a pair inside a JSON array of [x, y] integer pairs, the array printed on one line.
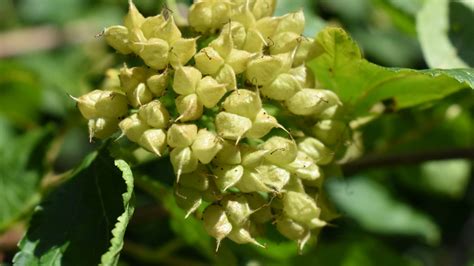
[[433, 24], [371, 205], [339, 66], [21, 169], [76, 223]]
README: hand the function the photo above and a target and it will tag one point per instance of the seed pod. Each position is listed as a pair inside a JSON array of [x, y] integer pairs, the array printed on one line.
[[223, 44], [189, 107], [227, 175], [302, 52], [131, 77], [229, 154], [243, 102], [187, 199], [304, 167], [282, 88], [303, 75], [260, 207], [183, 161], [206, 146], [102, 128], [273, 176], [151, 25], [226, 76], [210, 91], [331, 132], [208, 16], [133, 19], [238, 60], [251, 182], [302, 209], [197, 180], [263, 8], [212, 194], [262, 71], [254, 41], [117, 38], [98, 103], [295, 184], [154, 53], [262, 124], [315, 149], [306, 102], [182, 51], [292, 22], [291, 229], [238, 33], [157, 83], [237, 209], [281, 151], [140, 96], [232, 126], [133, 127], [153, 140], [284, 42], [216, 223], [242, 236], [266, 27], [181, 135], [252, 157], [168, 31], [154, 114], [208, 61], [186, 80]]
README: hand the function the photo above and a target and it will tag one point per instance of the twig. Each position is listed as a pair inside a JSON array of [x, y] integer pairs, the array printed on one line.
[[374, 161]]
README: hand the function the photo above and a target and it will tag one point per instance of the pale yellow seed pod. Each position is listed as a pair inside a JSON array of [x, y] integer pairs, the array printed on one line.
[[262, 125], [292, 22], [263, 70], [238, 60], [181, 135], [186, 80], [210, 91], [140, 96], [263, 8], [254, 41], [251, 182], [232, 126], [223, 44], [182, 51], [132, 127], [237, 209], [304, 167], [252, 157], [117, 38], [295, 184], [303, 75], [315, 149], [226, 76], [227, 175], [273, 176], [302, 208], [281, 151], [229, 154], [133, 19], [154, 114], [266, 27], [183, 161], [154, 53], [216, 223], [158, 83], [208, 61], [99, 103], [282, 88], [197, 180], [302, 53], [153, 140], [242, 236], [208, 16], [168, 31], [131, 77], [291, 229], [152, 24], [189, 107], [306, 102], [244, 103], [206, 146], [284, 42], [238, 33], [102, 128], [262, 212]]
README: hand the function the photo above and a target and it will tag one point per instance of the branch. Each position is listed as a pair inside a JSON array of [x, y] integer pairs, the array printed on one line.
[[375, 161]]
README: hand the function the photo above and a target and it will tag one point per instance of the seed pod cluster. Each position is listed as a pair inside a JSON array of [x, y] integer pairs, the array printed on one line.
[[230, 155]]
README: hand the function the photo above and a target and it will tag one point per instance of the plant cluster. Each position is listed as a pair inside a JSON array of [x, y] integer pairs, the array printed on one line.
[[215, 105]]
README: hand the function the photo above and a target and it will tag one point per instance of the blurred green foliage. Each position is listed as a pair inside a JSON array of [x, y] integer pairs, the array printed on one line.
[[421, 214]]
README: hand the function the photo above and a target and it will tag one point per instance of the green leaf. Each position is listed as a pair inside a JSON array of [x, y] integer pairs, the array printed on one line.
[[21, 168], [372, 206], [83, 221], [433, 26], [339, 66]]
